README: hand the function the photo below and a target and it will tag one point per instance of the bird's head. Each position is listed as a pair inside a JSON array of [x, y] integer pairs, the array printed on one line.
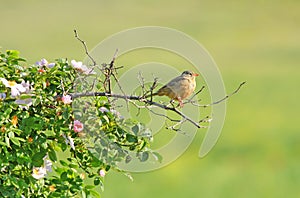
[[189, 74]]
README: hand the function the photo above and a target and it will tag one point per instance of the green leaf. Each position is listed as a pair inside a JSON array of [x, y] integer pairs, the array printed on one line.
[[131, 138], [52, 155], [107, 168], [97, 181], [36, 101], [95, 194], [17, 131], [135, 129], [63, 163], [13, 53], [3, 144], [15, 141], [89, 186], [25, 96], [37, 159], [73, 166], [83, 194], [64, 176], [49, 133], [6, 113], [95, 162]]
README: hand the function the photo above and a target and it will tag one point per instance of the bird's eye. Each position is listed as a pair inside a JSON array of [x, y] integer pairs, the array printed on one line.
[[187, 73]]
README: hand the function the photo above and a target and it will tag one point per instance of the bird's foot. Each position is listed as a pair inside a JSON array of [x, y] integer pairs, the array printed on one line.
[[181, 104]]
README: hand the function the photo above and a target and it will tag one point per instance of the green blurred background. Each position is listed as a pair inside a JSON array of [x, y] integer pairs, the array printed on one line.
[[258, 41]]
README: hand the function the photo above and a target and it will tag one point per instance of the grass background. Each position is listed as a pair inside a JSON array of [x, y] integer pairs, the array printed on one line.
[[258, 41]]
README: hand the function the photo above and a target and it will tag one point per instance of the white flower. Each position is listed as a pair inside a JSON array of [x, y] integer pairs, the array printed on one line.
[[82, 68], [39, 172], [27, 86], [16, 89]]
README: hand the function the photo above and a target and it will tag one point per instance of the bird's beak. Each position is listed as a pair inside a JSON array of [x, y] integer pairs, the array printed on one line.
[[194, 74]]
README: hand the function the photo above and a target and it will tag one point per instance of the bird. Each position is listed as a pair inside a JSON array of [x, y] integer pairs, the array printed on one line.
[[178, 88]]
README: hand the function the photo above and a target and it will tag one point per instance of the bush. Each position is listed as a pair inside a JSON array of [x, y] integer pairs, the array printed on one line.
[[41, 131]]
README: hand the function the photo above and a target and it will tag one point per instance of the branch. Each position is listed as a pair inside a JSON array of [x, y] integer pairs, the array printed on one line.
[[85, 48], [138, 98], [221, 100], [150, 102]]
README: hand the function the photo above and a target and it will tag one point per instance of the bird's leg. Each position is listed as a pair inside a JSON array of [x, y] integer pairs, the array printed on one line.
[[180, 102], [178, 105]]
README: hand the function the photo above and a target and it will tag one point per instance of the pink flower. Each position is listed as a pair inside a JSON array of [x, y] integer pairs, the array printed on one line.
[[102, 173], [78, 126], [67, 99]]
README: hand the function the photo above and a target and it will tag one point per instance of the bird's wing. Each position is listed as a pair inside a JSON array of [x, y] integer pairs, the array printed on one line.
[[174, 88], [178, 84]]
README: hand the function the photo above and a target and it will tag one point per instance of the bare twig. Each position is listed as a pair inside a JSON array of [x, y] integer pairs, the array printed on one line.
[[142, 81], [85, 48], [94, 64], [163, 115], [176, 126], [226, 97], [151, 89]]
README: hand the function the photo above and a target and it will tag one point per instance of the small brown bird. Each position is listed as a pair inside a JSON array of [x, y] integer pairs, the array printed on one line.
[[179, 88]]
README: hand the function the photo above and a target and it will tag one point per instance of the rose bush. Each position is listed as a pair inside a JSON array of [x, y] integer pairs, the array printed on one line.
[[46, 147]]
